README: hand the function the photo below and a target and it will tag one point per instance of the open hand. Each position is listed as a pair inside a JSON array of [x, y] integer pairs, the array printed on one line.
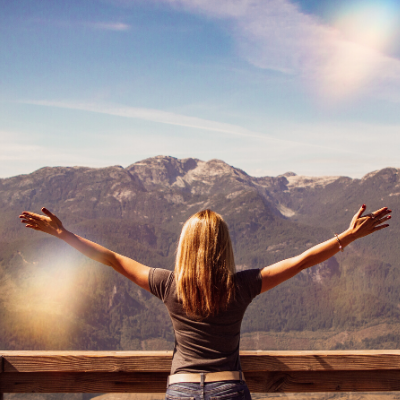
[[48, 223], [363, 225]]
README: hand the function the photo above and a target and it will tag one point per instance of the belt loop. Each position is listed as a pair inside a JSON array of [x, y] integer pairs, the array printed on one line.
[[241, 376], [202, 377]]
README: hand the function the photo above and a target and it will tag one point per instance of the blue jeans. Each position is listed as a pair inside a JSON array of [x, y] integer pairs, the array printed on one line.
[[224, 390]]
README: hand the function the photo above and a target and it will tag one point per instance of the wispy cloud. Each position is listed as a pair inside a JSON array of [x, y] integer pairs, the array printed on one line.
[[107, 26], [308, 138], [95, 25], [169, 118], [154, 115], [276, 35]]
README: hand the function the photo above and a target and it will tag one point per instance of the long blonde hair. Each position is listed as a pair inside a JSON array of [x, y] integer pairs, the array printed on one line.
[[205, 265]]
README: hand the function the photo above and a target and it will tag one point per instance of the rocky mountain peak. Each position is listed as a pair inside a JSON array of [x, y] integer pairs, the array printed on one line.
[[288, 174], [388, 175], [161, 170]]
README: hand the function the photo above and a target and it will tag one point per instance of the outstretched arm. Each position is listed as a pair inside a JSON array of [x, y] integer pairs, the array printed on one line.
[[360, 226], [50, 224]]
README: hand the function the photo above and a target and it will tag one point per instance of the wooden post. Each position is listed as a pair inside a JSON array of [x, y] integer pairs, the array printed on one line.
[[1, 370]]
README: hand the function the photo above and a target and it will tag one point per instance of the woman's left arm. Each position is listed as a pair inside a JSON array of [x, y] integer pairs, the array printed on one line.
[[360, 226], [49, 223]]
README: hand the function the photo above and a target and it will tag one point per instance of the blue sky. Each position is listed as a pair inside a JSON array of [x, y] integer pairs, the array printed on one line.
[[268, 86]]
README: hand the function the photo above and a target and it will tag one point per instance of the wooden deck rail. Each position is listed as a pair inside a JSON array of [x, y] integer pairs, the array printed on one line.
[[141, 371]]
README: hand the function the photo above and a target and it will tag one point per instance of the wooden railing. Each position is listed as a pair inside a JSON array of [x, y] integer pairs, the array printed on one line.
[[141, 371]]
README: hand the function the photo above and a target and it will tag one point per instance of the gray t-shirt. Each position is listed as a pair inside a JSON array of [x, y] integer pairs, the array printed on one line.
[[212, 344]]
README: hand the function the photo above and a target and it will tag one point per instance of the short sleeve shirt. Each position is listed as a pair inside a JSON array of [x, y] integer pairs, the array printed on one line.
[[211, 344]]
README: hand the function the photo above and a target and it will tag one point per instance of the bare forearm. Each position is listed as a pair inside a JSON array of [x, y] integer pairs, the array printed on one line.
[[133, 270], [89, 249], [283, 270], [323, 251]]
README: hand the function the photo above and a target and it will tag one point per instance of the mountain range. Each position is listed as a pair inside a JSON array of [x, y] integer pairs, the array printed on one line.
[[51, 297]]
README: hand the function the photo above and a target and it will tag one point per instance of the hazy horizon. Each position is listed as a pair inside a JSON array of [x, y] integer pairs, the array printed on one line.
[[138, 161]]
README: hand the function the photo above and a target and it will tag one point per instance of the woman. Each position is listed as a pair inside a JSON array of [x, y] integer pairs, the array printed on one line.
[[205, 298]]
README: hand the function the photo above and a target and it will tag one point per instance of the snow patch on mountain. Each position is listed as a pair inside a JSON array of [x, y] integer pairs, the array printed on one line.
[[286, 211], [298, 181]]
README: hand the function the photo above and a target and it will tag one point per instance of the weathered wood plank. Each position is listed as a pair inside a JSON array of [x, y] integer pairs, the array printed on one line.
[[87, 361], [320, 361], [324, 381], [294, 381], [140, 361], [90, 382]]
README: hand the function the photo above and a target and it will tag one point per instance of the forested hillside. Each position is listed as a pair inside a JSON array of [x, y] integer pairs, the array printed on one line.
[[51, 297]]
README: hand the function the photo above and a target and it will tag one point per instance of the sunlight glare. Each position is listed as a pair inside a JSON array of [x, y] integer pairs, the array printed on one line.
[[45, 299], [371, 25], [364, 30]]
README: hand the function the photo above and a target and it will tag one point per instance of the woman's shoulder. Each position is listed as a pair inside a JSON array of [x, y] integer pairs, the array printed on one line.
[[249, 281], [254, 273], [160, 280], [161, 272]]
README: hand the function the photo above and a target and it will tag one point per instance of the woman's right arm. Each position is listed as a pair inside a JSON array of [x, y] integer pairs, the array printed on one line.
[[360, 226], [49, 223]]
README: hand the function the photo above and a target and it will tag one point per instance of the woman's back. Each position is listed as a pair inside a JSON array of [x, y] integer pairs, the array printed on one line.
[[206, 344]]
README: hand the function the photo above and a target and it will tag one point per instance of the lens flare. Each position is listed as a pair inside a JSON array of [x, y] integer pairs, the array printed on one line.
[[364, 32], [369, 24], [43, 300]]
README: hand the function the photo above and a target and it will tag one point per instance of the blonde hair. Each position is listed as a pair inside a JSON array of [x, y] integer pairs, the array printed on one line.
[[205, 265]]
